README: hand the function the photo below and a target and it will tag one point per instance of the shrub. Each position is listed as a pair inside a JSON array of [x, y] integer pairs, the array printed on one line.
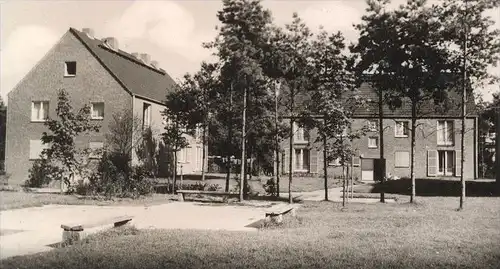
[[42, 173], [199, 186], [247, 189], [270, 186]]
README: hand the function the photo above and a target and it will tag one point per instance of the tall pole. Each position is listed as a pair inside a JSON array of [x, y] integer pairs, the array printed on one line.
[[243, 142], [464, 100], [381, 137], [276, 93]]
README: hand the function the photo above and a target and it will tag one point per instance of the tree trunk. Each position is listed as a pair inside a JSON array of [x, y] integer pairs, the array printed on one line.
[[343, 187], [381, 137], [229, 138], [462, 131], [277, 144], [352, 180], [204, 152], [325, 165], [290, 159], [175, 172], [243, 142], [412, 153]]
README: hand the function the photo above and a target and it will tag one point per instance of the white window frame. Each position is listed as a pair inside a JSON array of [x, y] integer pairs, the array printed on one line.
[[406, 126], [93, 147], [396, 158], [146, 114], [371, 138], [373, 125], [299, 134], [445, 141], [446, 155], [66, 74], [44, 107], [92, 111], [182, 155], [301, 160]]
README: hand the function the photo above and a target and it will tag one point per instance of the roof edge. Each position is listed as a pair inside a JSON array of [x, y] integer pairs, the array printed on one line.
[[73, 32]]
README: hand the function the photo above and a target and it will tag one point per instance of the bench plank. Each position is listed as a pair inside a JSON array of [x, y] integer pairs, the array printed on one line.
[[116, 221]]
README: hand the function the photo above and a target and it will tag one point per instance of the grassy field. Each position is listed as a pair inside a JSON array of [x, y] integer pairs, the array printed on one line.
[[431, 234], [14, 200]]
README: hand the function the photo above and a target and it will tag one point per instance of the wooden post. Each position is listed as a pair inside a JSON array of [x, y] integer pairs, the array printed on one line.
[[182, 177]]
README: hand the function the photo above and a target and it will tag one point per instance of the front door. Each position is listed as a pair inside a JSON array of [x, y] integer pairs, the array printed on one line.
[[367, 169]]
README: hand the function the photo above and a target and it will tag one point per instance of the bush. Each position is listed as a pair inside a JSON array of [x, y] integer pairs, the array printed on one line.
[[247, 189], [270, 187], [42, 173], [199, 186]]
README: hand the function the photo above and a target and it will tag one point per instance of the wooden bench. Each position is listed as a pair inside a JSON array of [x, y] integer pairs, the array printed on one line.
[[182, 193], [75, 232], [275, 214]]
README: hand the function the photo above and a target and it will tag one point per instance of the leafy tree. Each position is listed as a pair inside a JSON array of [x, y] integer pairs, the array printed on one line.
[[332, 100], [487, 123], [63, 131], [472, 45], [180, 105], [288, 60], [239, 48], [403, 52]]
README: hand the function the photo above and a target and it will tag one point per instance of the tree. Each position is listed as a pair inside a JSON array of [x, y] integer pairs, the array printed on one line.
[[472, 46], [403, 52], [288, 59], [487, 122], [62, 151], [331, 104], [239, 46], [180, 105]]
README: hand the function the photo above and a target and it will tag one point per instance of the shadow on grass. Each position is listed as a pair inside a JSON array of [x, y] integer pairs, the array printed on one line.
[[435, 187]]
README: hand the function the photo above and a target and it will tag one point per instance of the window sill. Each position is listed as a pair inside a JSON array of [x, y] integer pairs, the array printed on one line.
[[401, 136], [38, 120], [446, 145], [401, 166], [301, 171], [69, 76], [97, 119], [300, 141], [372, 147]]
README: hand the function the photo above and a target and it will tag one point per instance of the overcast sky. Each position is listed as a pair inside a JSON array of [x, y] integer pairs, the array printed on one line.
[[170, 31]]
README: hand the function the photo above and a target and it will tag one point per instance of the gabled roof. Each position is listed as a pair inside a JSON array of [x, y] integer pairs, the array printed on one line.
[[427, 108], [134, 75]]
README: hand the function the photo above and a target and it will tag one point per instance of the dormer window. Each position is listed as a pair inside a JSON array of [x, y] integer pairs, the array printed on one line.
[[70, 69]]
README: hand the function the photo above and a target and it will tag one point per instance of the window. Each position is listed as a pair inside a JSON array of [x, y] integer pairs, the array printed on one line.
[[182, 155], [39, 110], [445, 133], [301, 160], [446, 162], [70, 69], [402, 159], [401, 129], [96, 149], [36, 148], [146, 115], [372, 142], [97, 111], [372, 125], [301, 135]]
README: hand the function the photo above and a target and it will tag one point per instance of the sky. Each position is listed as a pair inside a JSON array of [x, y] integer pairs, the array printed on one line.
[[171, 31]]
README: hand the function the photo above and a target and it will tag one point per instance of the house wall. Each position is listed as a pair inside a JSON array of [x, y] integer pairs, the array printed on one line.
[[426, 139], [192, 164], [92, 83]]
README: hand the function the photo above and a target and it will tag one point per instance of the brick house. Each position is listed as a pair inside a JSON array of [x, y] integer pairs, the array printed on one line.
[[95, 72], [437, 150]]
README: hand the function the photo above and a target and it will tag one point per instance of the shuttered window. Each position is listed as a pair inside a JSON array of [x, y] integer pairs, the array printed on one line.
[[432, 163], [402, 159]]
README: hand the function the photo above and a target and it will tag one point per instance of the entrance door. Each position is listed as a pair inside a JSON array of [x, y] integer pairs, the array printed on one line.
[[446, 162], [367, 169]]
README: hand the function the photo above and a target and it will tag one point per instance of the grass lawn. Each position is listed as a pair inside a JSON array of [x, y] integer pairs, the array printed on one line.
[[13, 200], [431, 234]]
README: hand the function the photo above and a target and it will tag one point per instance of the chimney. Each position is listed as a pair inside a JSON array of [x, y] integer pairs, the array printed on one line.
[[135, 54], [111, 42], [155, 64], [146, 58], [89, 32]]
